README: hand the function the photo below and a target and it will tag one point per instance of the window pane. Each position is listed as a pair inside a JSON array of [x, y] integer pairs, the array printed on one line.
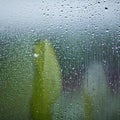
[[60, 60]]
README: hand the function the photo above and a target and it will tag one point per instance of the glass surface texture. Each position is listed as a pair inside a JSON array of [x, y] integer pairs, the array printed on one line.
[[60, 60]]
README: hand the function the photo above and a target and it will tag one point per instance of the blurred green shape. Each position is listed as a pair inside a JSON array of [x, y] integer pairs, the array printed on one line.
[[88, 107], [47, 81]]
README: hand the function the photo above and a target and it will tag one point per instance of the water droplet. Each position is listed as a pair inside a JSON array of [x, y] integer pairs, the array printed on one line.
[[106, 8], [36, 55], [43, 14], [65, 16], [73, 68], [61, 10], [47, 9], [107, 30]]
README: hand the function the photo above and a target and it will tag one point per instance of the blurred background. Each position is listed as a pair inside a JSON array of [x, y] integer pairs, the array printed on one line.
[[82, 32]]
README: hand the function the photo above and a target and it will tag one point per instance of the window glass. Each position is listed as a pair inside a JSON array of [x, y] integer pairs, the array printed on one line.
[[60, 60]]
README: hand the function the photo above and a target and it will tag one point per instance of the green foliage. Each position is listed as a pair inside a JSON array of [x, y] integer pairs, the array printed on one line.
[[88, 107], [47, 81]]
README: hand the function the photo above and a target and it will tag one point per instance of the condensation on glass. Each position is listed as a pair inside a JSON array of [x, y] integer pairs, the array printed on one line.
[[85, 38]]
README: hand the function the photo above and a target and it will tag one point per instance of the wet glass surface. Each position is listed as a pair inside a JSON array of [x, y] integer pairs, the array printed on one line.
[[72, 73]]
